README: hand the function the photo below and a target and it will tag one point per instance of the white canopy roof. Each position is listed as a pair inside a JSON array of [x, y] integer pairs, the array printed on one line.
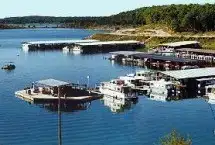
[[191, 73], [52, 83]]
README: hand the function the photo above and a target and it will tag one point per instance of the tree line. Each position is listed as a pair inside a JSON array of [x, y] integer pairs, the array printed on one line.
[[192, 17]]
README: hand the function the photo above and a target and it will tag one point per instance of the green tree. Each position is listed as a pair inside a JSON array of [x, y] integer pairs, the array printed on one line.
[[175, 138]]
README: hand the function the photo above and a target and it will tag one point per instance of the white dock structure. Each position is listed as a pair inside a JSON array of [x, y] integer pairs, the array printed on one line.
[[53, 44]]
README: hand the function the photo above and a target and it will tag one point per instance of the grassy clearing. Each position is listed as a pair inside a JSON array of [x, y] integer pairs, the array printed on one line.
[[163, 27], [206, 42], [112, 37]]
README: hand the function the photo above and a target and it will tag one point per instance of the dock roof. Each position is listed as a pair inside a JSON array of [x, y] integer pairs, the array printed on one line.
[[205, 51], [60, 42], [126, 53], [191, 73], [52, 83], [109, 43], [180, 43], [164, 58]]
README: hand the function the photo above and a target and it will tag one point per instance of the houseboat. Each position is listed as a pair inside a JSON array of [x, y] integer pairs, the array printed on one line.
[[161, 90], [210, 93], [51, 90], [136, 78], [118, 89]]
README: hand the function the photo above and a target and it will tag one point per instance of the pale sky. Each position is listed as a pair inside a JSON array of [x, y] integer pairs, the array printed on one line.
[[79, 7]]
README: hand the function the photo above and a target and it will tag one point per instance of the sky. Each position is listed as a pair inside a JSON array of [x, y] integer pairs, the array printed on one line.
[[10, 8]]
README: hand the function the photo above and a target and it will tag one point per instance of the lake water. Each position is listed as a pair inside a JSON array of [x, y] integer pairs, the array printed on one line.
[[144, 123]]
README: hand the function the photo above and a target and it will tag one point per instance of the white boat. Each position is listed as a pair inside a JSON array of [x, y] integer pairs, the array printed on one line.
[[210, 93], [143, 75], [25, 47], [129, 80], [77, 49], [66, 49], [161, 90], [118, 89], [139, 80]]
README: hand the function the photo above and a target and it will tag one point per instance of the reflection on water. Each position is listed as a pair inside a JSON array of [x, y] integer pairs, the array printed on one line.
[[118, 105], [66, 107]]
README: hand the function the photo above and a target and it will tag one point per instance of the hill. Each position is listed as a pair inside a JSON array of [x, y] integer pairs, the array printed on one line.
[[179, 18]]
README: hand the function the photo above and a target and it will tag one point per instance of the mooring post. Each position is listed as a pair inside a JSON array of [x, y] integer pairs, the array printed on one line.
[[59, 119]]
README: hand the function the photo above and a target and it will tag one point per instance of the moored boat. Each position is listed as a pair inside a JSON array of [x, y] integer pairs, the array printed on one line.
[[9, 66], [118, 89], [162, 90], [210, 93]]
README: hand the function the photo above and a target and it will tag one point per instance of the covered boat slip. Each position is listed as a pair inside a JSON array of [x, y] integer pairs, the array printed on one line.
[[108, 46], [181, 44], [191, 73], [50, 90], [59, 42], [198, 54], [126, 53], [156, 57], [51, 45], [151, 56], [191, 81], [154, 61]]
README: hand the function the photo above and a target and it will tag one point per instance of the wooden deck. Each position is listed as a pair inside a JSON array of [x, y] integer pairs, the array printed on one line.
[[39, 97]]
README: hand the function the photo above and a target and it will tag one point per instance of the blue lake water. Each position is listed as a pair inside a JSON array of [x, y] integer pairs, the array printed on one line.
[[144, 123]]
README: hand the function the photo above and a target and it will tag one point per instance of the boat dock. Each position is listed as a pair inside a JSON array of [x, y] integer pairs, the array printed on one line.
[[153, 61], [106, 46], [51, 90], [83, 46], [51, 45], [43, 98], [197, 54], [180, 44], [190, 82]]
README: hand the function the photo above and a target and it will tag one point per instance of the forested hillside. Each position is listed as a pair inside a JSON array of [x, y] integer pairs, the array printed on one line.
[[180, 18]]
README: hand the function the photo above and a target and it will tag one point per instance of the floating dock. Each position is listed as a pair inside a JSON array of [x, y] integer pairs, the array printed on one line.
[[43, 98], [51, 45], [106, 46], [153, 61], [197, 54], [50, 90]]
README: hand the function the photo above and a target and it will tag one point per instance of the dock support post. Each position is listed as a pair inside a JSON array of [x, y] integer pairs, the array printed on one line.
[[59, 119]]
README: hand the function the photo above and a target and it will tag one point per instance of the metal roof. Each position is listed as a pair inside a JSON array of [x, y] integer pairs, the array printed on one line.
[[206, 51], [109, 43], [191, 73], [51, 83], [164, 58], [126, 53], [205, 79], [180, 43], [60, 42]]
